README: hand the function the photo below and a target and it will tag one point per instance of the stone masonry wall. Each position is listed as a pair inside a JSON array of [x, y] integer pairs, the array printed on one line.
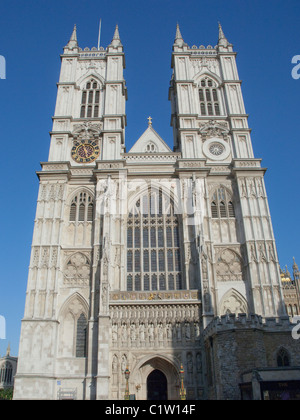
[[241, 343]]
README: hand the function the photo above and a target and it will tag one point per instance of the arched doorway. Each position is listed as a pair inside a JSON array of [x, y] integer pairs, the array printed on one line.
[[157, 386]]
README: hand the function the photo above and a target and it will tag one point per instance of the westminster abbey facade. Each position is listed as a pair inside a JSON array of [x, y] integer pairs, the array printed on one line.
[[152, 260]]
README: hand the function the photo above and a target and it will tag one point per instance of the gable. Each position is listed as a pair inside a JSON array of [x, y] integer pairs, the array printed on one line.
[[150, 142]]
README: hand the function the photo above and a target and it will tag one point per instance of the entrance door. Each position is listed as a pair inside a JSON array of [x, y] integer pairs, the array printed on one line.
[[157, 386]]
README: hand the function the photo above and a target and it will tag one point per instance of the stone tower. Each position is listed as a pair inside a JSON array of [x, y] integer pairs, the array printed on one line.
[[238, 254], [135, 253]]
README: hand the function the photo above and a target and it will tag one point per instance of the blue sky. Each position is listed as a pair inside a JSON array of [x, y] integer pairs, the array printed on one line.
[[265, 33]]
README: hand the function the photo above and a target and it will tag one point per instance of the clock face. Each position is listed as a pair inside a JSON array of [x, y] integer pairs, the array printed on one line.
[[85, 151]]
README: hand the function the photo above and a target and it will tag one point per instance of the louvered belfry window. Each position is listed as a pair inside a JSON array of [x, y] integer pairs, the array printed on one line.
[[209, 98], [90, 100], [153, 245]]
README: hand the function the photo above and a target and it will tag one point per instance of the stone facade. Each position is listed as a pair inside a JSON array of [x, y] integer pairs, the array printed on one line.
[[135, 253], [291, 290], [238, 344]]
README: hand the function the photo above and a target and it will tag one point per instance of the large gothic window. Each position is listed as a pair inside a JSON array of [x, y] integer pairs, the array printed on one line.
[[82, 208], [153, 245], [90, 100], [209, 97]]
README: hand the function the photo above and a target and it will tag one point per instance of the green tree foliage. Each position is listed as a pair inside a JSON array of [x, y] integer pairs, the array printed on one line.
[[6, 394]]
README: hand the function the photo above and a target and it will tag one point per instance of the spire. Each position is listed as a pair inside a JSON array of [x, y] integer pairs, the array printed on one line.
[[74, 34], [8, 350], [73, 40], [295, 266], [296, 271], [223, 41], [178, 37], [178, 33], [116, 41], [116, 34]]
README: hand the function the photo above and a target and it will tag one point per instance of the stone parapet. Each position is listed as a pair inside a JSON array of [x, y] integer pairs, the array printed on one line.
[[244, 321]]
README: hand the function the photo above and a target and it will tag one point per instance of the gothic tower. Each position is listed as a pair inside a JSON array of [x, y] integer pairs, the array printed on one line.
[[60, 324], [238, 253], [134, 253]]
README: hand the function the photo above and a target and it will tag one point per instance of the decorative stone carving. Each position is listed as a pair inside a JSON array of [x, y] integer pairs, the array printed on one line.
[[228, 266], [152, 325], [77, 270], [233, 303], [87, 130], [213, 129]]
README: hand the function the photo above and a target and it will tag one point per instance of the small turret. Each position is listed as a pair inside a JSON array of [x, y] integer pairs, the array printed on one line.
[[116, 41], [178, 42], [223, 42], [72, 45]]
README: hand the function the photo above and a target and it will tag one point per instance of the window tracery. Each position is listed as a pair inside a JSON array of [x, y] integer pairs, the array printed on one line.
[[82, 208], [153, 245], [90, 100], [222, 204], [209, 97]]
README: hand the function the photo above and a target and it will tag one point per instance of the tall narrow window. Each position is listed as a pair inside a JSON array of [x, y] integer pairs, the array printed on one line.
[[209, 97], [90, 100], [129, 283], [137, 282], [153, 244], [81, 336], [90, 212]]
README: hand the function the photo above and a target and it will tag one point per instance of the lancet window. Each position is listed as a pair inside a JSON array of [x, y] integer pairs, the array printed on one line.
[[209, 97]]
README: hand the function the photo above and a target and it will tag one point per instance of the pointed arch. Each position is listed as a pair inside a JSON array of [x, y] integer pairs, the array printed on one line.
[[75, 304], [209, 86], [283, 358], [233, 302], [81, 205], [168, 189], [90, 88], [207, 73], [73, 320], [90, 75]]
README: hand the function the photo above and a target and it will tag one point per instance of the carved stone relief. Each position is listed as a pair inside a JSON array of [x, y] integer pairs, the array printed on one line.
[[228, 265], [77, 270]]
